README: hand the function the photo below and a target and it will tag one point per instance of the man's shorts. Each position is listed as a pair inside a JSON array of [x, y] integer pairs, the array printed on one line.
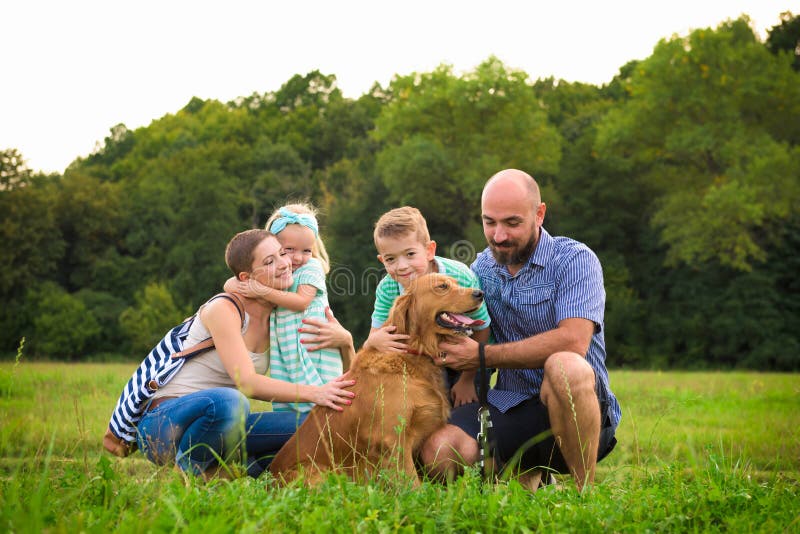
[[512, 429]]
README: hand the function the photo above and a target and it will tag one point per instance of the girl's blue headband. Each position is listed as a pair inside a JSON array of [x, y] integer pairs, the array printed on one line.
[[289, 217]]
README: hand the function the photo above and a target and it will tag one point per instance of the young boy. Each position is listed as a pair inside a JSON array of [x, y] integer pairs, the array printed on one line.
[[406, 251]]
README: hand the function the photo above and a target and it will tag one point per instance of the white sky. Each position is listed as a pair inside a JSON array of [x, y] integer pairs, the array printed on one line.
[[72, 69]]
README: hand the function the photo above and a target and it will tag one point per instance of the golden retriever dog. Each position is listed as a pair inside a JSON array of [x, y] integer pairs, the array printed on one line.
[[400, 397]]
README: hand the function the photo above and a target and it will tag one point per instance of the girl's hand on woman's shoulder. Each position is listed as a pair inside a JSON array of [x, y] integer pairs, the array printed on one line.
[[253, 289]]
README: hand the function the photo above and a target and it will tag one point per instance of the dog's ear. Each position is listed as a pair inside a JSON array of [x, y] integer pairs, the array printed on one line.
[[429, 341], [400, 314]]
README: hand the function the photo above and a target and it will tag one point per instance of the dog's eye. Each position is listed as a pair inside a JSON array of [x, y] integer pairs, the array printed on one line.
[[443, 286]]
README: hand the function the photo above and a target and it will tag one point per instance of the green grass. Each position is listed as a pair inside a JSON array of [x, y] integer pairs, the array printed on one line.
[[697, 452]]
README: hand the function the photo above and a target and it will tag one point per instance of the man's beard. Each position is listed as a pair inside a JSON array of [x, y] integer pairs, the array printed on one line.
[[513, 256]]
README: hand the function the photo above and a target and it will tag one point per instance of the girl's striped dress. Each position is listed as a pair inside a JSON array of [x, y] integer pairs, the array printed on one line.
[[288, 358]]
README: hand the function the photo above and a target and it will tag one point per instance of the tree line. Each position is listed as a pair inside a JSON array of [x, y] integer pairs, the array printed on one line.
[[682, 173]]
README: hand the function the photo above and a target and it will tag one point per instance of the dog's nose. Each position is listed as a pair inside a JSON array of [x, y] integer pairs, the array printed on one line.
[[477, 294]]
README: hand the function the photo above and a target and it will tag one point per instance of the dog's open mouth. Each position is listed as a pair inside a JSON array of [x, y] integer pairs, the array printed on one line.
[[457, 322]]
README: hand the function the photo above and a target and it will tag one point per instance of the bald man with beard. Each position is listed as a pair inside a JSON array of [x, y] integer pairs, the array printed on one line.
[[546, 299]]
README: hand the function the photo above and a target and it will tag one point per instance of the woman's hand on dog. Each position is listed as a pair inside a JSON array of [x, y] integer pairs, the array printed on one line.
[[334, 393], [383, 340]]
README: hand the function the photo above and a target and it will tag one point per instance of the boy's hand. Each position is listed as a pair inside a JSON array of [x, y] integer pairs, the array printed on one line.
[[384, 340], [463, 391]]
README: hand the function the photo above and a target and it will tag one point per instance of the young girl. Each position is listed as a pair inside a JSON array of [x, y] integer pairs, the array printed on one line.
[[295, 226]]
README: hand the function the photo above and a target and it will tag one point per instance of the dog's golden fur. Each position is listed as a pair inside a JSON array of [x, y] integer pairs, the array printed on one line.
[[400, 398]]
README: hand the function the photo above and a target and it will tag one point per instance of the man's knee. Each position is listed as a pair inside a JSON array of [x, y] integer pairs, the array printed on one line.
[[449, 443], [567, 373]]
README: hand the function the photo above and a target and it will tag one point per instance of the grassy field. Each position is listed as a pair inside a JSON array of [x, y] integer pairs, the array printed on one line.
[[697, 452]]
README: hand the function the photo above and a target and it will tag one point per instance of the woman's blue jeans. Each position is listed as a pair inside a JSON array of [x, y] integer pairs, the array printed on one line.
[[198, 430]]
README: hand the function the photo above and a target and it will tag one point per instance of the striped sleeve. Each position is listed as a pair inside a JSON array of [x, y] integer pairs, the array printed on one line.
[[311, 274], [385, 294], [580, 288]]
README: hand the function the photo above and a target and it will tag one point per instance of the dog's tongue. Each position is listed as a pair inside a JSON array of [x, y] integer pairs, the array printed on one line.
[[467, 321]]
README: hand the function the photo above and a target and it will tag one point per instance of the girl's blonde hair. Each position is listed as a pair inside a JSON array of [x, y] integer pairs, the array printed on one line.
[[318, 250]]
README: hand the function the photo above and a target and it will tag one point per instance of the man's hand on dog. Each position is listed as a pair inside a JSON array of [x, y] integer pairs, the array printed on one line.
[[457, 352]]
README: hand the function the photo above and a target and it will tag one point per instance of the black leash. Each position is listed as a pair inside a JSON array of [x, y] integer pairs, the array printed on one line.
[[485, 436]]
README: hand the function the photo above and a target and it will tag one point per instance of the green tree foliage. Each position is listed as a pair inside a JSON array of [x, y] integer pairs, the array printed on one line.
[[712, 126], [88, 214], [296, 115], [32, 244], [280, 176], [206, 217], [107, 159], [63, 326], [106, 309], [14, 172], [31, 248], [153, 314], [785, 38]]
